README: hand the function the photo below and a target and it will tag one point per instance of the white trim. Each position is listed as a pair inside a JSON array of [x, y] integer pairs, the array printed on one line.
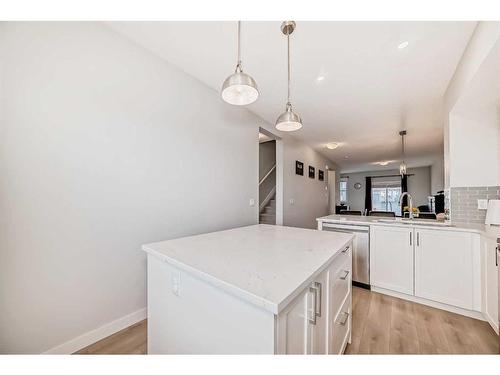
[[492, 323], [423, 301], [97, 334]]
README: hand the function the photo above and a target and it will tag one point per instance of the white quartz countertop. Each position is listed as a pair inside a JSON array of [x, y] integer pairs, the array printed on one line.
[[266, 265], [483, 229]]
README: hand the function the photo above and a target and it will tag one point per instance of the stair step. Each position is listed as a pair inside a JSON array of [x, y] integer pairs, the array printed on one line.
[[270, 210]]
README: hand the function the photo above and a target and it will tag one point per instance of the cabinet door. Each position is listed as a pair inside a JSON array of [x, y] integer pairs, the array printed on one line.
[[293, 324], [443, 267], [491, 283], [391, 258]]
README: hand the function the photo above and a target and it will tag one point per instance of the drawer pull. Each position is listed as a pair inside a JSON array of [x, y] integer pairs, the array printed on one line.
[[345, 250], [345, 275], [314, 291], [318, 288], [344, 320]]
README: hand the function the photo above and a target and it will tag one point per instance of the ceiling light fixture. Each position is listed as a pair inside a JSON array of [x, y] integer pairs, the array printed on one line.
[[384, 163], [289, 120], [332, 145], [402, 166], [320, 78], [403, 45], [239, 88]]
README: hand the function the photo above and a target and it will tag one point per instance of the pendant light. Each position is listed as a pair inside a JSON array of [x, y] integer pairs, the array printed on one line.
[[289, 120], [402, 166], [239, 88]]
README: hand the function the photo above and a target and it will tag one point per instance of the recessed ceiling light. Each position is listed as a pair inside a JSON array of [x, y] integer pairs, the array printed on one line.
[[403, 44], [346, 157], [383, 162], [320, 78], [332, 145]]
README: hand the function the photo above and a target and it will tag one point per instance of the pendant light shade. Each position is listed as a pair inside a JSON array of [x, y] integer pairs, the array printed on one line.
[[239, 88], [402, 166], [289, 120]]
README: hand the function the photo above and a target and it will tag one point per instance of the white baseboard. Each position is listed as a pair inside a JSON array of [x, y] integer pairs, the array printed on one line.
[[423, 301], [97, 334], [493, 324]]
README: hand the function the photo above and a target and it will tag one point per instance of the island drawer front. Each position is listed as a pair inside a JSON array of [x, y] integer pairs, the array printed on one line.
[[342, 257], [341, 328], [340, 285]]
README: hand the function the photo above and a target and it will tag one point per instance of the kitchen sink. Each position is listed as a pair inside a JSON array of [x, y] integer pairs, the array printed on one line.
[[426, 222]]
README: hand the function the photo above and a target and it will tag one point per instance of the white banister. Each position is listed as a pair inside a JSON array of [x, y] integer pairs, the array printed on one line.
[[267, 174]]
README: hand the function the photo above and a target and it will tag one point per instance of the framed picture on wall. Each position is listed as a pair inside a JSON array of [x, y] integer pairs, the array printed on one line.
[[321, 175], [299, 168], [312, 172]]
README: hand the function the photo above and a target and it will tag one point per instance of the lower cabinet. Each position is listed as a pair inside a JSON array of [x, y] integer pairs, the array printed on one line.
[[434, 264], [318, 321], [444, 267], [491, 260], [391, 258]]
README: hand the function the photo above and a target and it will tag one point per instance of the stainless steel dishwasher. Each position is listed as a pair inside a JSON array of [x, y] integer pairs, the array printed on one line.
[[360, 251]]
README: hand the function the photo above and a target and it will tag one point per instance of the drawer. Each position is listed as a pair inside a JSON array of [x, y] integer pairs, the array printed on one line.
[[342, 257], [340, 285], [341, 328]]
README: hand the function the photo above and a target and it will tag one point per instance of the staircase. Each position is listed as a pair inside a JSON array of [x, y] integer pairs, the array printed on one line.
[[268, 214]]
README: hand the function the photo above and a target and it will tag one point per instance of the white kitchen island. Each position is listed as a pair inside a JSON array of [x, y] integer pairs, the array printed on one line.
[[257, 289]]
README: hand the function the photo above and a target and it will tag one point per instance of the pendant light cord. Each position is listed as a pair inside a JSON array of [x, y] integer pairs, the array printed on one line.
[[238, 64], [403, 144], [288, 47]]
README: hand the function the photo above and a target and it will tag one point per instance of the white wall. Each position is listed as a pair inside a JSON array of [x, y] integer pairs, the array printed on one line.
[[104, 147], [469, 135], [419, 186], [437, 175], [310, 198], [474, 142]]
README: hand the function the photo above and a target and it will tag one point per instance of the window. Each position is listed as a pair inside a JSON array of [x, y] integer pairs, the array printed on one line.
[[385, 197], [343, 191]]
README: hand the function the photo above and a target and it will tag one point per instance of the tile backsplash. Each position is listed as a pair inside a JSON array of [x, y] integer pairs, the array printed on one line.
[[463, 202]]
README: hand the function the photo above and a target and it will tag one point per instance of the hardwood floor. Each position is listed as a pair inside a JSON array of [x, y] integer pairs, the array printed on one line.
[[131, 340], [388, 325], [381, 325]]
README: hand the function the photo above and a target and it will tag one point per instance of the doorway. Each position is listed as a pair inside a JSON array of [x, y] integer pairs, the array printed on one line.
[[270, 178]]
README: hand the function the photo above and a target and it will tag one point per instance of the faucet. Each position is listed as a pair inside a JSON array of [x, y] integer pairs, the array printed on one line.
[[410, 203]]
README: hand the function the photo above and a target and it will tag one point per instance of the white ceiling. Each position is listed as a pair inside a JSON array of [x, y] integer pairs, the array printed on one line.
[[371, 88]]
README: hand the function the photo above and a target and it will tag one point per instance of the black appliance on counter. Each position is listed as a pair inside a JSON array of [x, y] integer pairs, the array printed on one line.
[[439, 202]]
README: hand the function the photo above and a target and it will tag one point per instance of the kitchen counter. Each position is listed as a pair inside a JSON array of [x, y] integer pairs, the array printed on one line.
[[265, 265], [483, 229]]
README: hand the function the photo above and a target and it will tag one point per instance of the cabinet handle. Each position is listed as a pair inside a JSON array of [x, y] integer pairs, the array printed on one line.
[[345, 250], [344, 320], [410, 239], [318, 290], [314, 292], [418, 238], [345, 275], [497, 255]]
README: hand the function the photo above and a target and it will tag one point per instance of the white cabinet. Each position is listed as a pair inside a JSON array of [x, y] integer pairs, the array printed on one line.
[[444, 267], [391, 258], [294, 326], [318, 321], [490, 282]]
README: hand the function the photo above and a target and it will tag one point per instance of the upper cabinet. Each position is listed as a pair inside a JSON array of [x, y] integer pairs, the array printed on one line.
[[444, 269], [391, 258]]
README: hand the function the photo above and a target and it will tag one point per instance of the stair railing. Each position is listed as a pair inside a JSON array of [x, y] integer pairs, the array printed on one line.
[[267, 174]]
